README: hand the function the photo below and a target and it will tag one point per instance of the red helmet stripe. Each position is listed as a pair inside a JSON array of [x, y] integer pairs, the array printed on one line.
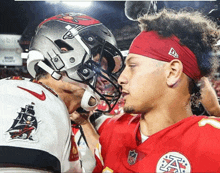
[[79, 20]]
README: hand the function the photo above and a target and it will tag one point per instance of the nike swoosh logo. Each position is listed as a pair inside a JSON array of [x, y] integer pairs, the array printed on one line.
[[39, 96]]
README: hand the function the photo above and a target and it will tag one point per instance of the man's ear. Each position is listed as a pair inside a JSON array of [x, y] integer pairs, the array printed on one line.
[[174, 72]]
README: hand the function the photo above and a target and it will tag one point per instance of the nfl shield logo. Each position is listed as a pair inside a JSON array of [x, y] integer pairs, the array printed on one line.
[[132, 156]]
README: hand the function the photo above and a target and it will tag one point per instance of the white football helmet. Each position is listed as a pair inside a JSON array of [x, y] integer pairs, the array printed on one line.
[[85, 50]]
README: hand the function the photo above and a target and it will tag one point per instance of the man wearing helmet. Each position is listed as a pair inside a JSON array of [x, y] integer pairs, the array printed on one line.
[[75, 63], [77, 48]]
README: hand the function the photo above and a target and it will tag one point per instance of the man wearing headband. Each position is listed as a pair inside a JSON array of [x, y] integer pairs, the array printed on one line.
[[162, 76]]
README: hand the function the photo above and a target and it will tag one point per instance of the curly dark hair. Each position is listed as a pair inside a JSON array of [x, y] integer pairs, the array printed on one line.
[[194, 30]]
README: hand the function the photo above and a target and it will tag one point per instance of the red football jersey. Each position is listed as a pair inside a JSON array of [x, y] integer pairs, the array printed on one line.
[[191, 145]]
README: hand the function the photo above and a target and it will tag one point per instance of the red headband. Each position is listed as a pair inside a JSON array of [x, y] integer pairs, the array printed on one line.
[[150, 44]]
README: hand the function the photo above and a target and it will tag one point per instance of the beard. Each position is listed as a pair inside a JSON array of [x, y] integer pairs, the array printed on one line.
[[129, 109]]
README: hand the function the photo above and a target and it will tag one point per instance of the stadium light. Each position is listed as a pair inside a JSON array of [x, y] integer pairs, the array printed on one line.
[[78, 4]]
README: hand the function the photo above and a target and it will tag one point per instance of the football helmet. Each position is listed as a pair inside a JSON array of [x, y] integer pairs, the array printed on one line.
[[79, 49]]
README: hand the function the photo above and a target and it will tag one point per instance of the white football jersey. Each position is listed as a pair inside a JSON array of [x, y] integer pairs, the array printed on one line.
[[35, 129]]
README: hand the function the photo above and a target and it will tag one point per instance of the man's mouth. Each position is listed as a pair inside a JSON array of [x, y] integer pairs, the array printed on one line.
[[105, 89], [124, 94]]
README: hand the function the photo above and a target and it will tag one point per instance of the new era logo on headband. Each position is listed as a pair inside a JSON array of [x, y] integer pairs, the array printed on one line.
[[173, 53]]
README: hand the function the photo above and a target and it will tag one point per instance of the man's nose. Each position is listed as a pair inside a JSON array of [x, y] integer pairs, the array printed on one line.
[[122, 78]]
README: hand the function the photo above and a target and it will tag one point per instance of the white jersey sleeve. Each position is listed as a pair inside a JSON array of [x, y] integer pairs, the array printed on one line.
[[35, 129], [86, 156]]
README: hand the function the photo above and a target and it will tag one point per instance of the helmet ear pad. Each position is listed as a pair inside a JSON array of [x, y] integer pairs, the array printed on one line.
[[34, 57], [38, 53]]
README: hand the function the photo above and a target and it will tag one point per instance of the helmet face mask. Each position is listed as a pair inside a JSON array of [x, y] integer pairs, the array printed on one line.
[[86, 53], [101, 73]]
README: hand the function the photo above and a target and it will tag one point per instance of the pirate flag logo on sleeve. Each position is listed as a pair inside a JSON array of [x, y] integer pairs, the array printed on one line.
[[24, 125]]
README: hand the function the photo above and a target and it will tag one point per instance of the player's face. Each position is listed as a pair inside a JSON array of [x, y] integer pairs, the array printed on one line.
[[101, 81], [142, 83], [103, 85]]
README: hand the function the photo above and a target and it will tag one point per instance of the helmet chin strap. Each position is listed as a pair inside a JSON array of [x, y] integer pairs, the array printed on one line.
[[90, 98], [36, 57], [53, 73]]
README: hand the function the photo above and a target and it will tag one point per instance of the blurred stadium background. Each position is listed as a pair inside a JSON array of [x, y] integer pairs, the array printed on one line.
[[20, 18]]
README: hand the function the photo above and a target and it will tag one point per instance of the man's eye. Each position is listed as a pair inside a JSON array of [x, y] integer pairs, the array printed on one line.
[[132, 65]]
